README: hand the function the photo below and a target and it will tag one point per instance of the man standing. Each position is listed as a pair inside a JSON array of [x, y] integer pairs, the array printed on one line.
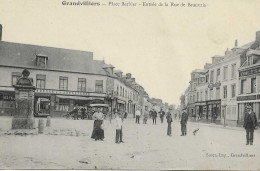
[[119, 125], [162, 113], [154, 116], [184, 119], [250, 123], [137, 115], [169, 121]]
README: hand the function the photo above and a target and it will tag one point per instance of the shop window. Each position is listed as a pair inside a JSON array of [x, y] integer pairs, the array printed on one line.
[[253, 85], [82, 84], [224, 92], [63, 83], [99, 86], [7, 101], [63, 105], [233, 92], [40, 81], [15, 77]]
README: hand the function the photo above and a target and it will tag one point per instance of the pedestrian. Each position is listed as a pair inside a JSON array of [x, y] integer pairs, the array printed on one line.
[[125, 115], [169, 121], [184, 119], [146, 115], [83, 113], [98, 132], [154, 116], [162, 113], [119, 127], [137, 115], [250, 124]]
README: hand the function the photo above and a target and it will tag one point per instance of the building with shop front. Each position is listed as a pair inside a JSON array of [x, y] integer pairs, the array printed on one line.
[[249, 80], [63, 78]]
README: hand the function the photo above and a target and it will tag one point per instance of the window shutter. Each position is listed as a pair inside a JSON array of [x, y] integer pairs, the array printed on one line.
[[257, 84]]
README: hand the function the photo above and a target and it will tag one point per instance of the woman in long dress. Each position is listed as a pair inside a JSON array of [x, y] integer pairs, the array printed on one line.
[[98, 132]]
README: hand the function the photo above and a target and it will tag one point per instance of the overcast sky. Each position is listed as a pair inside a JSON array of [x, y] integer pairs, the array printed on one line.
[[159, 46]]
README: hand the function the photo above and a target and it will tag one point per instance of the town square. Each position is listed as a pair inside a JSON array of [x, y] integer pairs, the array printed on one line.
[[130, 85]]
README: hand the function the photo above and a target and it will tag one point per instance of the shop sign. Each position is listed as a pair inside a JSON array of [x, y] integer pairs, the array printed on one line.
[[211, 85], [242, 98], [214, 102], [23, 95], [249, 72], [6, 97]]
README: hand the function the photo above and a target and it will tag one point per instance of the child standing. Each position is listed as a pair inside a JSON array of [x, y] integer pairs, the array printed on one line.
[[118, 124]]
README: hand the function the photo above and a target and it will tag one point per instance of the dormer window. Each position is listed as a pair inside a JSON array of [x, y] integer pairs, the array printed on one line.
[[41, 60]]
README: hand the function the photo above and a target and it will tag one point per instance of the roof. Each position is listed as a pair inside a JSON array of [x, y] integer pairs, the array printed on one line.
[[24, 55]]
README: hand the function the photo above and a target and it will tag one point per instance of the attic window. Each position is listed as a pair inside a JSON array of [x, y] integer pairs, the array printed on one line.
[[41, 61]]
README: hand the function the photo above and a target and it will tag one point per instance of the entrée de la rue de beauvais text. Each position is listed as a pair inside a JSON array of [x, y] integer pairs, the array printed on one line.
[[132, 4]]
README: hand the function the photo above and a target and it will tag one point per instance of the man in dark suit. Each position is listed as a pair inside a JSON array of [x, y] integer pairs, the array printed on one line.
[[154, 116], [250, 124], [184, 119]]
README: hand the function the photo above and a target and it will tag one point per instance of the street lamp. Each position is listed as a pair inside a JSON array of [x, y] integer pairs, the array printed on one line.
[[110, 97]]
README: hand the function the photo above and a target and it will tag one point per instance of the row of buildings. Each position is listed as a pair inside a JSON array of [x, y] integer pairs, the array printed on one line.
[[66, 78], [220, 91]]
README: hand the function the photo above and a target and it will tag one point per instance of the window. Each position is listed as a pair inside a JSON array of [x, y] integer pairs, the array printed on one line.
[[40, 81], [211, 76], [225, 74], [198, 96], [117, 89], [253, 85], [63, 105], [63, 83], [233, 90], [211, 94], [82, 84], [201, 95], [218, 74], [123, 92], [15, 77], [206, 94], [233, 71], [99, 85], [190, 99], [41, 61], [243, 86], [224, 92], [250, 60], [194, 98], [217, 93]]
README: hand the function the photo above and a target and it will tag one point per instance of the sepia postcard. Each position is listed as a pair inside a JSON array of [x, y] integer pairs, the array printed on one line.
[[130, 84]]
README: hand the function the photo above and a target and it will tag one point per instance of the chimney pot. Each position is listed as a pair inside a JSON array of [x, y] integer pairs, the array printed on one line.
[[257, 36], [1, 32], [236, 43]]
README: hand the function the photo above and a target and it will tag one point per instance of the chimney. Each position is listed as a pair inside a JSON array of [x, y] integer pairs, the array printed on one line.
[[226, 52], [1, 32], [257, 37], [236, 43], [128, 75]]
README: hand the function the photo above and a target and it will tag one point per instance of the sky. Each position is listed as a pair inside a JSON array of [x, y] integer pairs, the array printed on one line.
[[160, 46]]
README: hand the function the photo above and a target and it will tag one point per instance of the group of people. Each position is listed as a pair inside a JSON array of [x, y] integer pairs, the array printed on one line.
[[98, 128], [250, 123], [153, 114]]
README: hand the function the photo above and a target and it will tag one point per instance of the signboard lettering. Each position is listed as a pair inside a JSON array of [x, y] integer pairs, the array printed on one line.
[[242, 98], [249, 72]]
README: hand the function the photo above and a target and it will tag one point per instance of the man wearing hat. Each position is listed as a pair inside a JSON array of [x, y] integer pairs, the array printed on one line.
[[169, 121], [250, 123], [184, 119], [154, 116]]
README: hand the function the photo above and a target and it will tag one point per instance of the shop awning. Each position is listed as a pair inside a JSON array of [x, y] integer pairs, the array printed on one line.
[[78, 97]]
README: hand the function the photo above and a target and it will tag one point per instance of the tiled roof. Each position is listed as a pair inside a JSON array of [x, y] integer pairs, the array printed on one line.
[[24, 55]]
